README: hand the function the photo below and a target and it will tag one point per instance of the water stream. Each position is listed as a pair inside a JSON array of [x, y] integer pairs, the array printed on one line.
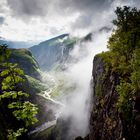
[[48, 124]]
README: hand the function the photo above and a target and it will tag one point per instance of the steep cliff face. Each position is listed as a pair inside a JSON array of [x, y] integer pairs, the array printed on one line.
[[106, 122]]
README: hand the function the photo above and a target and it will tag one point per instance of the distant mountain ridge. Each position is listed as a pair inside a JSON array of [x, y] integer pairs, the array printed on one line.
[[54, 38], [54, 52]]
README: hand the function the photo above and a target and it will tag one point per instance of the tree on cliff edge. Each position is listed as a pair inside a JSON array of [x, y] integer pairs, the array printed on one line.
[[124, 45]]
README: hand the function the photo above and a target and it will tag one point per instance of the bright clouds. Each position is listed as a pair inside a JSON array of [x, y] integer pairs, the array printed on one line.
[[36, 20]]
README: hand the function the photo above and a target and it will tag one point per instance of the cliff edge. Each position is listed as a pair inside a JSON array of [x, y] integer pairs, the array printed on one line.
[[106, 122]]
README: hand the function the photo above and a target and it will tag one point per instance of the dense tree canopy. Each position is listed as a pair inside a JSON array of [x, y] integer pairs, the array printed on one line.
[[124, 45], [125, 38]]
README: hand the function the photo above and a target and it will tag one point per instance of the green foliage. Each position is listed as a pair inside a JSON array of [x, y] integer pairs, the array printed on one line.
[[126, 95], [24, 111], [25, 61], [124, 57], [98, 91], [13, 135], [124, 39], [12, 94], [124, 46], [4, 53], [106, 56], [12, 75], [24, 54], [135, 75], [36, 85]]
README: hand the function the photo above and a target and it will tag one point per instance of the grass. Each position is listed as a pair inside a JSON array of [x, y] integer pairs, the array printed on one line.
[[36, 84]]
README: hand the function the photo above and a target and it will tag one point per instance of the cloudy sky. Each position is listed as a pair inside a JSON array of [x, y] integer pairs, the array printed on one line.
[[37, 20]]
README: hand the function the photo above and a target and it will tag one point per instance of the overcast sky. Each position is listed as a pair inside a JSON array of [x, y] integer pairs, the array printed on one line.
[[37, 20]]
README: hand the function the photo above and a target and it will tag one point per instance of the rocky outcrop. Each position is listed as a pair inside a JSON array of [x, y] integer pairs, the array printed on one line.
[[106, 122]]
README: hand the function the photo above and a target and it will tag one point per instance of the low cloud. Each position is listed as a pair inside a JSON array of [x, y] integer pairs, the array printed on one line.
[[77, 104], [77, 17], [42, 7], [28, 8], [2, 19]]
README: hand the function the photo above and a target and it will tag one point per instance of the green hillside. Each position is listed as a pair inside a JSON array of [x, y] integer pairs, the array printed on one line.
[[25, 61]]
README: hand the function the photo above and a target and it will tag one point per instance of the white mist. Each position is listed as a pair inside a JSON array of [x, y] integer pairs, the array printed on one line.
[[79, 74]]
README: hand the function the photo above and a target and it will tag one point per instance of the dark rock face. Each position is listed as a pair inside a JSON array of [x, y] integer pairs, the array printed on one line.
[[106, 123], [62, 129]]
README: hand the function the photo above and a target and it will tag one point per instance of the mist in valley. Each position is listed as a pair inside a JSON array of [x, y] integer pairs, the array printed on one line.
[[70, 88], [76, 92], [79, 75]]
